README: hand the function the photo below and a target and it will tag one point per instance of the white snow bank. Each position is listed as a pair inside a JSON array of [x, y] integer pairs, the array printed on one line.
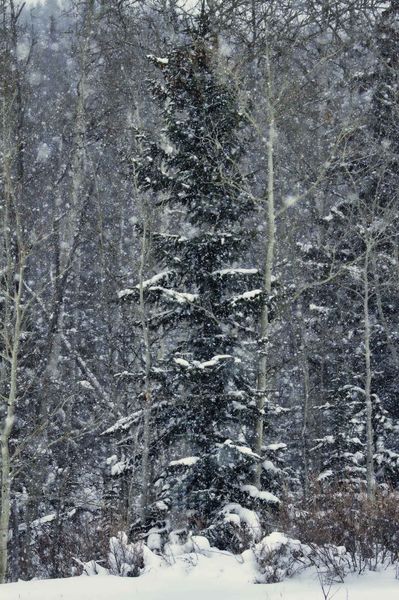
[[218, 577]]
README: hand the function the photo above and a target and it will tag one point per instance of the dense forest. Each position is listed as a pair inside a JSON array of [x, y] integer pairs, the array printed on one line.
[[199, 280]]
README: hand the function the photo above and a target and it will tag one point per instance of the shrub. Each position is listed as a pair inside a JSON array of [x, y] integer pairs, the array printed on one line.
[[279, 557], [369, 530], [125, 559]]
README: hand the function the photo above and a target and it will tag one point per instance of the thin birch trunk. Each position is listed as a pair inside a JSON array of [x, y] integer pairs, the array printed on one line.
[[147, 376], [6, 474], [305, 421], [384, 322], [267, 280], [368, 378], [13, 289], [79, 158]]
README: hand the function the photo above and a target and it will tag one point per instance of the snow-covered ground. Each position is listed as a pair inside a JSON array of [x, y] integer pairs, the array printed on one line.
[[215, 577]]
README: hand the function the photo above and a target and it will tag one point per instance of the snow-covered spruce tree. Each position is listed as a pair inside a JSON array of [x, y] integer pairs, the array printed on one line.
[[207, 297]]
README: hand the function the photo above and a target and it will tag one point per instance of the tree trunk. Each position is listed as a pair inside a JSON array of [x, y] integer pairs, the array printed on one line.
[[267, 282], [6, 474], [368, 377], [147, 376], [305, 421]]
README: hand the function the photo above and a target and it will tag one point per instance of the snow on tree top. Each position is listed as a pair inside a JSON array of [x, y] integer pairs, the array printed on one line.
[[320, 309], [180, 297], [188, 461], [85, 384], [182, 362], [161, 505], [325, 475], [155, 279], [119, 467], [111, 459], [44, 520], [251, 295], [146, 284], [223, 272], [276, 446], [212, 362], [123, 423], [354, 271], [216, 360], [253, 491], [237, 514], [268, 465], [172, 236], [275, 539], [126, 292], [158, 59], [242, 449]]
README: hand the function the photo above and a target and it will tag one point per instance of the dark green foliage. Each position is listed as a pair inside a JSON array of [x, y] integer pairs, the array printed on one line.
[[208, 362]]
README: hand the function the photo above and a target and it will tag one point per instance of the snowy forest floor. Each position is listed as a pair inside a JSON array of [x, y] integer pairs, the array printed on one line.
[[217, 577]]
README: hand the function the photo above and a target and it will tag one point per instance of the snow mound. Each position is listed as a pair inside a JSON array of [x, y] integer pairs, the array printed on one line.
[[219, 576]]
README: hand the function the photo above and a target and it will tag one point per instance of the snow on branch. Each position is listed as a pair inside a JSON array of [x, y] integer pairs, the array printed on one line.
[[146, 284], [253, 491], [249, 296], [188, 461], [212, 362]]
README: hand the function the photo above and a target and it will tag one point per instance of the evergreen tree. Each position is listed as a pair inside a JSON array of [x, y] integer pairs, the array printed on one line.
[[207, 298]]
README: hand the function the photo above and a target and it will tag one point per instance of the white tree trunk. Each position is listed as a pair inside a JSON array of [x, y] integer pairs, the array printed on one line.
[[147, 394], [305, 421], [368, 378], [7, 428], [267, 282]]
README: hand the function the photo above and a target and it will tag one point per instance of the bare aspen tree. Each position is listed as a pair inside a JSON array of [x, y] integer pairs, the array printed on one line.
[[304, 361], [270, 242], [69, 211], [282, 88], [376, 231], [146, 342], [377, 284], [374, 228], [13, 256], [370, 474], [67, 224], [12, 349], [147, 392]]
